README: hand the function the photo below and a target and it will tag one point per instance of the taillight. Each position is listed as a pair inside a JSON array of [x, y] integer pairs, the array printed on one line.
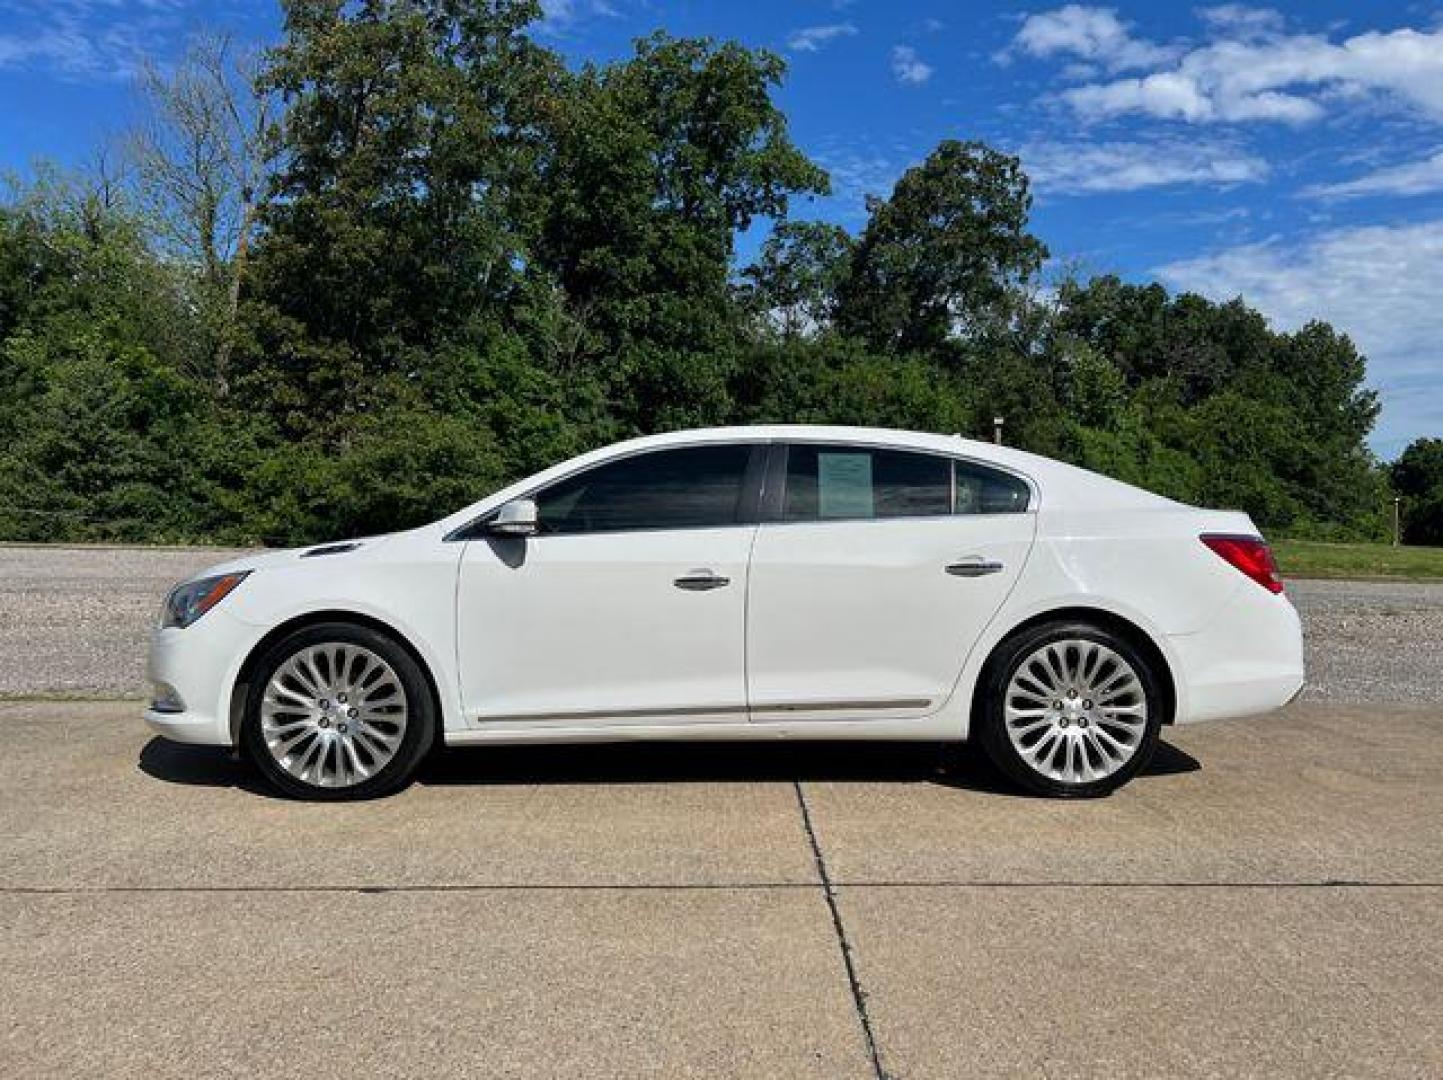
[[1250, 555]]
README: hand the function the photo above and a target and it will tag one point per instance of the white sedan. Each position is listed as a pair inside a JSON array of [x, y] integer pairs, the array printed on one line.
[[743, 583]]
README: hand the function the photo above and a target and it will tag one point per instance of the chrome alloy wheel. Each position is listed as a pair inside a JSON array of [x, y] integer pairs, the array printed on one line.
[[1075, 711], [334, 714]]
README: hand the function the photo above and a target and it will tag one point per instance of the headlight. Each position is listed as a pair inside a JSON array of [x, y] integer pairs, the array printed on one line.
[[189, 601]]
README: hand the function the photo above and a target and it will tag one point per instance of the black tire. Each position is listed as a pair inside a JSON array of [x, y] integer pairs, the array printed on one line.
[[416, 739], [990, 722]]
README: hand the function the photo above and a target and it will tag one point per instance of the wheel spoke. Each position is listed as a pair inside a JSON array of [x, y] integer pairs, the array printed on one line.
[[1021, 691], [284, 744], [1118, 683], [1103, 754], [278, 690], [373, 744], [1022, 730], [1056, 668], [386, 740], [1117, 748], [311, 756], [354, 760], [1027, 708], [308, 662], [300, 676], [1043, 749]]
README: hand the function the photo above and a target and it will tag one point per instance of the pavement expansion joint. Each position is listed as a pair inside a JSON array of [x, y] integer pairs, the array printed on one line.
[[830, 887], [829, 892]]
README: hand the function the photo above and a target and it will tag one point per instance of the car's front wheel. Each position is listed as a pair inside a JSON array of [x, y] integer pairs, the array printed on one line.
[[338, 711], [1070, 709]]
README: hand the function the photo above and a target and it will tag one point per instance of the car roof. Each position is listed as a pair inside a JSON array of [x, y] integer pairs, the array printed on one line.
[[1020, 460]]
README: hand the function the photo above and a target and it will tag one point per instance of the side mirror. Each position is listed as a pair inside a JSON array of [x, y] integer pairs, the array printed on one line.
[[516, 518]]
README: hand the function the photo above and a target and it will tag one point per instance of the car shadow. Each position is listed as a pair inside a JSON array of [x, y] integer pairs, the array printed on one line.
[[964, 768], [201, 766]]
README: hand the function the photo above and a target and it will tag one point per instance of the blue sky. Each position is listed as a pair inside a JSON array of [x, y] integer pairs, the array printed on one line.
[[1291, 153]]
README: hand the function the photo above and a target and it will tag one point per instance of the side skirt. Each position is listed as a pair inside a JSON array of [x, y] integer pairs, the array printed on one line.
[[937, 727]]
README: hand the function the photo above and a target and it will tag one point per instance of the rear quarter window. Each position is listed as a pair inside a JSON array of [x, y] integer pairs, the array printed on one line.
[[981, 490]]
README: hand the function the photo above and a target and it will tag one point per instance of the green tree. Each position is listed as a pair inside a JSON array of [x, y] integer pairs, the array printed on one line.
[[793, 286], [411, 140], [97, 396], [1279, 420], [837, 380], [1417, 476], [1097, 392], [660, 162], [946, 255]]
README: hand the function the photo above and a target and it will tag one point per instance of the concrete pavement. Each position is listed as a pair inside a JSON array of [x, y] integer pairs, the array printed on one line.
[[480, 983], [1146, 982], [1268, 901]]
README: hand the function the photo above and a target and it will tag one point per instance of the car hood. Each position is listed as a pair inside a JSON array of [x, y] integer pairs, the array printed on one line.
[[295, 557]]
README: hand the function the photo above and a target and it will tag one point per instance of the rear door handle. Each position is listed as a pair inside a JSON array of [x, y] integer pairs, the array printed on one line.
[[701, 581], [974, 567]]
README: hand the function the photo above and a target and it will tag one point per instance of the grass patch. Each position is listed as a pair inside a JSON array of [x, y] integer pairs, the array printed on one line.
[[1315, 559]]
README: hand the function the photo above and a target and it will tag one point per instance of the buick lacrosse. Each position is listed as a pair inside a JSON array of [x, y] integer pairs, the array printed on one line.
[[743, 583]]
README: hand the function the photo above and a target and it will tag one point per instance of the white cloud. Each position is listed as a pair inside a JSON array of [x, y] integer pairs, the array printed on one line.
[[1071, 168], [1241, 20], [857, 171], [565, 18], [86, 39], [813, 38], [1176, 95], [1379, 283], [56, 45], [1094, 34], [1250, 70], [908, 67], [1415, 178]]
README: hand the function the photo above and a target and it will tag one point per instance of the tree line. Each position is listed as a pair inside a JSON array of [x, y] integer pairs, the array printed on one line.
[[407, 254]]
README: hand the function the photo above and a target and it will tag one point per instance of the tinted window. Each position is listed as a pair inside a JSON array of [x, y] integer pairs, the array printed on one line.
[[666, 489], [850, 482], [835, 482], [983, 491]]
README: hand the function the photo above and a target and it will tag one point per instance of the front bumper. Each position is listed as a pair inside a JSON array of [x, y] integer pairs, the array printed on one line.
[[198, 665]]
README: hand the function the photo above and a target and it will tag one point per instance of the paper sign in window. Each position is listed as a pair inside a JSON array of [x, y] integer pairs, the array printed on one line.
[[844, 485]]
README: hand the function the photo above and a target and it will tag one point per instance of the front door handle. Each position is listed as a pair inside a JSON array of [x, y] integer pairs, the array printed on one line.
[[974, 567], [701, 581]]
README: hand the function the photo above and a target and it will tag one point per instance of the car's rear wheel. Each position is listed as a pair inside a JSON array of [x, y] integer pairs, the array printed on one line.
[[338, 711], [1070, 709]]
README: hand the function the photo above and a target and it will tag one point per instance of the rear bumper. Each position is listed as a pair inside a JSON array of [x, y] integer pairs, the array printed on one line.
[[1247, 660]]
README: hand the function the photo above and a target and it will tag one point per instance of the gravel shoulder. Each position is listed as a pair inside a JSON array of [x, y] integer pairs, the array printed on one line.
[[74, 622], [1372, 641]]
